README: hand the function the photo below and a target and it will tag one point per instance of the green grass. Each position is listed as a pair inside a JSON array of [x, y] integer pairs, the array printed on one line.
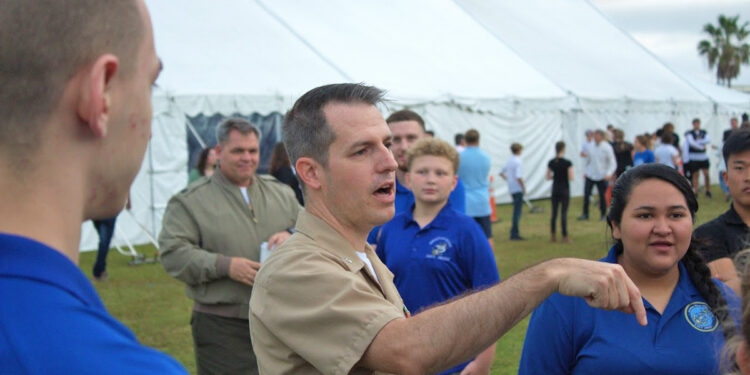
[[155, 307]]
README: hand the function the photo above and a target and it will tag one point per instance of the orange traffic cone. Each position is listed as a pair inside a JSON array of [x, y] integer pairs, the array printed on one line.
[[493, 215]]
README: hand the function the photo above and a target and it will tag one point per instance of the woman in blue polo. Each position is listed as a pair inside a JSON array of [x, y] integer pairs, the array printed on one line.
[[651, 219]]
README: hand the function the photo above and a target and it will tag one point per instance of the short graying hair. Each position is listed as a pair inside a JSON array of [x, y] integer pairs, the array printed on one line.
[[306, 132], [43, 44], [234, 123]]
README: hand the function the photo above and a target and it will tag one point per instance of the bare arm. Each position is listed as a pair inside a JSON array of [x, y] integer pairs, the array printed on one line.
[[724, 270], [454, 332], [548, 175], [523, 187], [570, 173]]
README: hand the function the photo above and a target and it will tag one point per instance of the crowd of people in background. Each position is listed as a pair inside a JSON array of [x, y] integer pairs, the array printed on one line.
[[78, 114]]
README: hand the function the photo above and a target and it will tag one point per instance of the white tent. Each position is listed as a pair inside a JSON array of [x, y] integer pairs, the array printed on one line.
[[533, 72]]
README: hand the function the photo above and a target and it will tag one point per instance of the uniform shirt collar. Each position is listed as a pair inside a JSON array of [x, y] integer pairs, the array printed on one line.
[[330, 240], [684, 284]]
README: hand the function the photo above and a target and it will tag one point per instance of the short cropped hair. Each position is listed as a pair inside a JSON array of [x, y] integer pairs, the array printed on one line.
[[559, 146], [405, 115], [515, 148], [234, 123], [472, 136], [458, 138], [43, 43], [433, 147], [696, 120], [306, 131], [738, 141]]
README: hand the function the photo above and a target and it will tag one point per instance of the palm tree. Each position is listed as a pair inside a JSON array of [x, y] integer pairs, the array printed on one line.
[[725, 50]]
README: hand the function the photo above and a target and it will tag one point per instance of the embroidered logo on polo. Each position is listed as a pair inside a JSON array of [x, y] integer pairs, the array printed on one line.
[[699, 315], [438, 247]]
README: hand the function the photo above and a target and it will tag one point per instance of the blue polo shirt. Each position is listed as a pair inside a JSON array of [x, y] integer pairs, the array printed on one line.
[[405, 199], [446, 258], [53, 322], [566, 336]]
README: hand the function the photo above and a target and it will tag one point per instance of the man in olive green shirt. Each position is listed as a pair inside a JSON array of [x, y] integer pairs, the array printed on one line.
[[211, 239], [324, 304]]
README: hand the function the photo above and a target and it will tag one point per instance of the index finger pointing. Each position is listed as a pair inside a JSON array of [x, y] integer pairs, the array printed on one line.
[[636, 303]]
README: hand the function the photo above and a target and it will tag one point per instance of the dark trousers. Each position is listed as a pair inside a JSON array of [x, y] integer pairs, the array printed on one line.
[[106, 229], [560, 199], [222, 345], [517, 206], [601, 187]]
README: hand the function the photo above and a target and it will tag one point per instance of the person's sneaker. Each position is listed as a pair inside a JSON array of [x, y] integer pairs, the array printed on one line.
[[708, 193], [603, 217], [103, 277], [565, 239], [583, 217], [552, 238], [519, 238]]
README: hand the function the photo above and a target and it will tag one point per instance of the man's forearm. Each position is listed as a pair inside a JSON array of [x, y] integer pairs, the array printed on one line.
[[446, 335]]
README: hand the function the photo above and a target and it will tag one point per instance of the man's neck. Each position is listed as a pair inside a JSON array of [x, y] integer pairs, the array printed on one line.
[[743, 212], [47, 209], [356, 236], [424, 212]]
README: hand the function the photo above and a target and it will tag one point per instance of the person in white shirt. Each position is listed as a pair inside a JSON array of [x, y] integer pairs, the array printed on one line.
[[512, 173], [698, 142], [665, 153], [600, 166]]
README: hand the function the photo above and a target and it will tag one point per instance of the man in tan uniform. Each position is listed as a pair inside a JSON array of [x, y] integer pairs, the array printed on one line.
[[324, 303], [211, 241]]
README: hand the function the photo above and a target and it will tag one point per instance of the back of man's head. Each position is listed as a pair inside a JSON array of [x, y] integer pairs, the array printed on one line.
[[306, 132], [43, 44], [405, 115], [472, 137], [516, 148], [737, 142]]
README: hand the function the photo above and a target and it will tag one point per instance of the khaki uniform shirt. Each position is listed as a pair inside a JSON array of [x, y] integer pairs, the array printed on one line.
[[316, 308], [210, 222]]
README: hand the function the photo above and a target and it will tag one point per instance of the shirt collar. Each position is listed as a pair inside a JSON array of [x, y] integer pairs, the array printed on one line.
[[24, 258], [683, 284], [732, 217], [401, 189], [330, 240], [443, 219]]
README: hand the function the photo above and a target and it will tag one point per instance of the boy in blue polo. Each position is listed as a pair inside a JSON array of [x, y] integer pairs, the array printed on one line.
[[435, 252]]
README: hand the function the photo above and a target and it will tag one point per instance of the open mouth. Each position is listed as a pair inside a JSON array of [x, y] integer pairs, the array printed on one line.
[[385, 189]]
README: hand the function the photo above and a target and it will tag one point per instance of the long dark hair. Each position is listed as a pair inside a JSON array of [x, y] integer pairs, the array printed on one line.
[[279, 158], [202, 158], [696, 267]]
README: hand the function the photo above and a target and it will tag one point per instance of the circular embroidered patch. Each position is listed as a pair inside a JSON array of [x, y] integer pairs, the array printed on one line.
[[699, 315]]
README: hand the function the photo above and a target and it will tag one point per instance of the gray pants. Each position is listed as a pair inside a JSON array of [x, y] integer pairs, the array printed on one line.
[[222, 345]]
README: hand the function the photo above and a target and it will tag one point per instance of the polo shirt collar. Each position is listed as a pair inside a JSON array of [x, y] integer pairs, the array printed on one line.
[[684, 284], [22, 257], [732, 217], [444, 219]]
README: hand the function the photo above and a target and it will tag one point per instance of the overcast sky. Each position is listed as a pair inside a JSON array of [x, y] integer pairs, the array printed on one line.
[[671, 29]]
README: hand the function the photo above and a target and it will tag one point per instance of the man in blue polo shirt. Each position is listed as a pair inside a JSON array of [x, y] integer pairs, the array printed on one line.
[[435, 252], [76, 123], [407, 127]]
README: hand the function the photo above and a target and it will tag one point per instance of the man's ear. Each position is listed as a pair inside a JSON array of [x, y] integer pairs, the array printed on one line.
[[310, 172], [95, 93]]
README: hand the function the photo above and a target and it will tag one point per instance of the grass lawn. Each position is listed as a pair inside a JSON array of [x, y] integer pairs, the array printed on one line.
[[155, 307]]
